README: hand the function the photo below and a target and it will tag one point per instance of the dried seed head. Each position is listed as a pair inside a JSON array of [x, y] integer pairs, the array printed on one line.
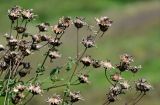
[[134, 69], [19, 88], [26, 52], [35, 89], [96, 63], [54, 54], [55, 100], [14, 13], [83, 78], [86, 60], [28, 14], [106, 64], [12, 42], [23, 45], [20, 29], [44, 38], [104, 23], [89, 42], [116, 77], [43, 27], [75, 96], [111, 97], [2, 48], [143, 86], [124, 85], [79, 22], [115, 90], [54, 41], [58, 29], [65, 21]]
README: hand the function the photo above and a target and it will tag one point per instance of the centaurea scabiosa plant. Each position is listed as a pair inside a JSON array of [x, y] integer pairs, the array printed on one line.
[[17, 86]]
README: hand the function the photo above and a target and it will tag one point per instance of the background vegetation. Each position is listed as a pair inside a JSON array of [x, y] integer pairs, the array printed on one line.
[[135, 30]]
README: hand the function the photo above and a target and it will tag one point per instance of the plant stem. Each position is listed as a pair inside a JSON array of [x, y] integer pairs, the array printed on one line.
[[77, 43], [108, 78]]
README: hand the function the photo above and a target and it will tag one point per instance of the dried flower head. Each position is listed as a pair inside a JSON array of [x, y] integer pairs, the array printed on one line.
[[26, 52], [3, 65], [2, 48], [14, 13], [43, 27], [116, 77], [28, 14], [35, 89], [20, 29], [104, 23], [124, 85], [44, 38], [125, 58], [36, 38], [79, 22], [96, 63], [106, 64], [134, 69], [17, 98], [143, 86], [65, 21], [83, 78], [55, 100], [89, 42], [86, 60], [54, 41], [19, 88], [75, 96], [12, 42]]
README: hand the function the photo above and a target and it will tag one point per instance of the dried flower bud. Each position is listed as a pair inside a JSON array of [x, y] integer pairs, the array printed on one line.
[[86, 60], [65, 22], [58, 29], [104, 23], [26, 52], [2, 47], [75, 96], [143, 86], [3, 65], [44, 38], [14, 13], [116, 90], [19, 88], [134, 69], [54, 41], [79, 22], [28, 14], [35, 89], [106, 64], [20, 29], [124, 85], [55, 100], [54, 54], [111, 97], [89, 42], [83, 78], [35, 46], [96, 63], [43, 27], [116, 77], [12, 42]]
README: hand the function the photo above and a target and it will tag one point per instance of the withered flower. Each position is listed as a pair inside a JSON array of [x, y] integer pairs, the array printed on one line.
[[17, 98], [86, 60], [104, 23], [26, 52], [54, 54], [19, 88], [28, 14], [14, 13], [75, 96], [12, 42], [83, 78], [58, 29], [134, 69], [79, 22], [54, 41], [2, 47], [96, 63], [20, 29], [55, 100], [43, 27], [124, 85], [106, 64], [44, 38], [143, 86], [35, 89], [116, 77], [65, 21], [89, 41], [36, 38], [125, 58]]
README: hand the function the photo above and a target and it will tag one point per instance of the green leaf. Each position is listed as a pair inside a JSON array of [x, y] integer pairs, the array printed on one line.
[[70, 63]]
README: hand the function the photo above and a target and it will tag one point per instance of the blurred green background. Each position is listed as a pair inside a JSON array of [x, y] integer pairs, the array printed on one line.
[[136, 30]]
